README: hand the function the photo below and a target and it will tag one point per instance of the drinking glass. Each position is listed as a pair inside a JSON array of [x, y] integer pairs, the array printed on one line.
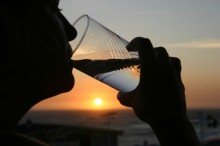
[[104, 55]]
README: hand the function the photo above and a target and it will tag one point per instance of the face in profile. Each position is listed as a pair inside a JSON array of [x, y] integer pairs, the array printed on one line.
[[42, 52], [55, 32]]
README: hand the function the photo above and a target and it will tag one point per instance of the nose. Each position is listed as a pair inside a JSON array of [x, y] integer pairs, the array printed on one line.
[[71, 32]]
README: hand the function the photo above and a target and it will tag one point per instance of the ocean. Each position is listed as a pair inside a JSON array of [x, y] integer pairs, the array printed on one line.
[[135, 132]]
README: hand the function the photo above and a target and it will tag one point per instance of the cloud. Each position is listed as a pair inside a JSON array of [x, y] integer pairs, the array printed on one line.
[[201, 44]]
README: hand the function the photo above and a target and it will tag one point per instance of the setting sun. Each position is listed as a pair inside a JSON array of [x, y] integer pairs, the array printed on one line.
[[98, 101]]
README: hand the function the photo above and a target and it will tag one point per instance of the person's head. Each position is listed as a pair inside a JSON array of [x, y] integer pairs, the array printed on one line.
[[34, 53]]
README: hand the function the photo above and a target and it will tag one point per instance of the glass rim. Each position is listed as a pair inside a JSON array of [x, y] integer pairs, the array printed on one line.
[[84, 33]]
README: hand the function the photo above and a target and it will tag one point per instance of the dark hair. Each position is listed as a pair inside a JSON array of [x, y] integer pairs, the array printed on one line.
[[10, 28], [3, 36], [16, 53]]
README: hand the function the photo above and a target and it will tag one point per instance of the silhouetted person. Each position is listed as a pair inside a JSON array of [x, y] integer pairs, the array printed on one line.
[[35, 64]]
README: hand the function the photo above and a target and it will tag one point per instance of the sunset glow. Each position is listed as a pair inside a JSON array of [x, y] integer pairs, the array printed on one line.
[[98, 101]]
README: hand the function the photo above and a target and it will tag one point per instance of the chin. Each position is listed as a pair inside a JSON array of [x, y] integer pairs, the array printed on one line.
[[69, 84], [60, 87]]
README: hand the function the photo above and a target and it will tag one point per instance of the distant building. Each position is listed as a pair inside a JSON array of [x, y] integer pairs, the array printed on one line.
[[69, 135]]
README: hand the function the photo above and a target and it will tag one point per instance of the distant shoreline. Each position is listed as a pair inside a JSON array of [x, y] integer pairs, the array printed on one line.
[[128, 109]]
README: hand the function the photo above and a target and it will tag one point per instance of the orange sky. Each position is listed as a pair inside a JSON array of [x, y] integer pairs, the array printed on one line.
[[82, 96]]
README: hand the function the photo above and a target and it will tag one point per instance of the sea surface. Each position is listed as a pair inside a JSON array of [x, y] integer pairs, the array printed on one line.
[[135, 132]]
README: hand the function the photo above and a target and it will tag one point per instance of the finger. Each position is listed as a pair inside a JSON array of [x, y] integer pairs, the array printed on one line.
[[147, 56], [176, 63], [162, 55], [125, 99], [144, 48]]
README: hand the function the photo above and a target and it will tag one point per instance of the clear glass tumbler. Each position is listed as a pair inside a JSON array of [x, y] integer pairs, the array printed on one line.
[[104, 55]]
